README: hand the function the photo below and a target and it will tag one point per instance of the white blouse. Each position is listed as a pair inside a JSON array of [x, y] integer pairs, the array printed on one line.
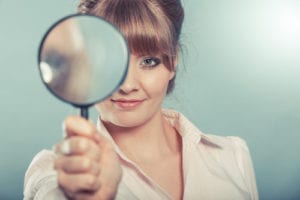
[[214, 168]]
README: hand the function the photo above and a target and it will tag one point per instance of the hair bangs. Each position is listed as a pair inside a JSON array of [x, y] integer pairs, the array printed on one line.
[[143, 40], [146, 32]]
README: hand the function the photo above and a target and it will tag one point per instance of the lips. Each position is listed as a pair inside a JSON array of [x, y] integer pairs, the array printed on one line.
[[127, 103]]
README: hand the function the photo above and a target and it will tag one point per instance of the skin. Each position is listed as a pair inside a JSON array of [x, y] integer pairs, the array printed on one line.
[[138, 128]]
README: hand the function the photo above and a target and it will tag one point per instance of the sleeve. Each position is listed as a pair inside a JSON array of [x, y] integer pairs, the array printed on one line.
[[245, 165], [40, 179]]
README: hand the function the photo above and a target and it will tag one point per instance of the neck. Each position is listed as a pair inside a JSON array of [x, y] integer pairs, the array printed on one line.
[[151, 140]]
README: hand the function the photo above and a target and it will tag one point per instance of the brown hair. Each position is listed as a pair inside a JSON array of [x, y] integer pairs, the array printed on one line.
[[150, 26]]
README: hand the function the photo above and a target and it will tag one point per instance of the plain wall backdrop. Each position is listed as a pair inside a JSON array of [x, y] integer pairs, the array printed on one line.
[[239, 74]]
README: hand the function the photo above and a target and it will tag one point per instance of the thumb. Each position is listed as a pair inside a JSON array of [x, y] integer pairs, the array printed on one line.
[[79, 126]]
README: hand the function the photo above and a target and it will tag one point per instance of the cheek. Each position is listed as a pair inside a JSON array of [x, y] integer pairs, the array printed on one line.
[[103, 107], [156, 83]]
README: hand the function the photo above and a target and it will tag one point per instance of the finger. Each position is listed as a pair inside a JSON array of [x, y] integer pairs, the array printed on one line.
[[86, 195], [76, 125], [77, 164], [74, 183], [79, 146]]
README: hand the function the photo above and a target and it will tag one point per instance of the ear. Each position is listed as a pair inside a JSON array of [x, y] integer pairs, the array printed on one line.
[[172, 74], [175, 63]]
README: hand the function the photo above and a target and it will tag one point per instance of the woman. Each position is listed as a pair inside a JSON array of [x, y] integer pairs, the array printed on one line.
[[138, 150]]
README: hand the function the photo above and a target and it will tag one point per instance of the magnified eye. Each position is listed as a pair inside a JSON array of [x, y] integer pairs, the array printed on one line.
[[55, 68], [150, 62], [56, 60]]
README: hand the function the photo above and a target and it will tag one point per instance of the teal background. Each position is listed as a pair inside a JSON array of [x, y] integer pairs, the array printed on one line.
[[239, 74]]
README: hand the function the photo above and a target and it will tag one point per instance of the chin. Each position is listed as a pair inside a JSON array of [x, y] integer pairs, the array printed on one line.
[[128, 120]]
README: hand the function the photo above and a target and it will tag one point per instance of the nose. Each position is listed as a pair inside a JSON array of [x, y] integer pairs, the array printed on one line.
[[130, 83]]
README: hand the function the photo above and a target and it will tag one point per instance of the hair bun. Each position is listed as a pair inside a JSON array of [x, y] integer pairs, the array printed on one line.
[[86, 5]]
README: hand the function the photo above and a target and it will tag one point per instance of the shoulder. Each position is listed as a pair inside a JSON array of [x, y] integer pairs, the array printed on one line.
[[233, 146], [229, 157], [192, 133], [43, 160], [40, 176], [225, 156], [231, 143], [231, 150]]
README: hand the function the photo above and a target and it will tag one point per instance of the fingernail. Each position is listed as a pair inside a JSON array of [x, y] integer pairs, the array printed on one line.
[[64, 134], [65, 148]]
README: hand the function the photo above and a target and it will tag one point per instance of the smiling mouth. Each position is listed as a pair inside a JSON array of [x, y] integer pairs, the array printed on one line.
[[127, 104]]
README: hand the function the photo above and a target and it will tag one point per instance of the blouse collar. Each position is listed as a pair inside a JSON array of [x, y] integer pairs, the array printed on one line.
[[184, 127]]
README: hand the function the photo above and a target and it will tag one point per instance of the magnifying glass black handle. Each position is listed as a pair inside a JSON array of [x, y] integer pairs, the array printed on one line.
[[84, 112]]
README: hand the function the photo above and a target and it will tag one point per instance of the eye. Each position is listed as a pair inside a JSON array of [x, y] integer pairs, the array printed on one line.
[[56, 59], [150, 62]]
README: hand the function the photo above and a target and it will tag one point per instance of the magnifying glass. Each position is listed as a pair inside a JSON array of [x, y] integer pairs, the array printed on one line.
[[82, 60]]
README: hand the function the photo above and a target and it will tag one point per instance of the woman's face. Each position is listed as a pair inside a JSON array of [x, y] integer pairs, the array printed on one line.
[[140, 96]]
